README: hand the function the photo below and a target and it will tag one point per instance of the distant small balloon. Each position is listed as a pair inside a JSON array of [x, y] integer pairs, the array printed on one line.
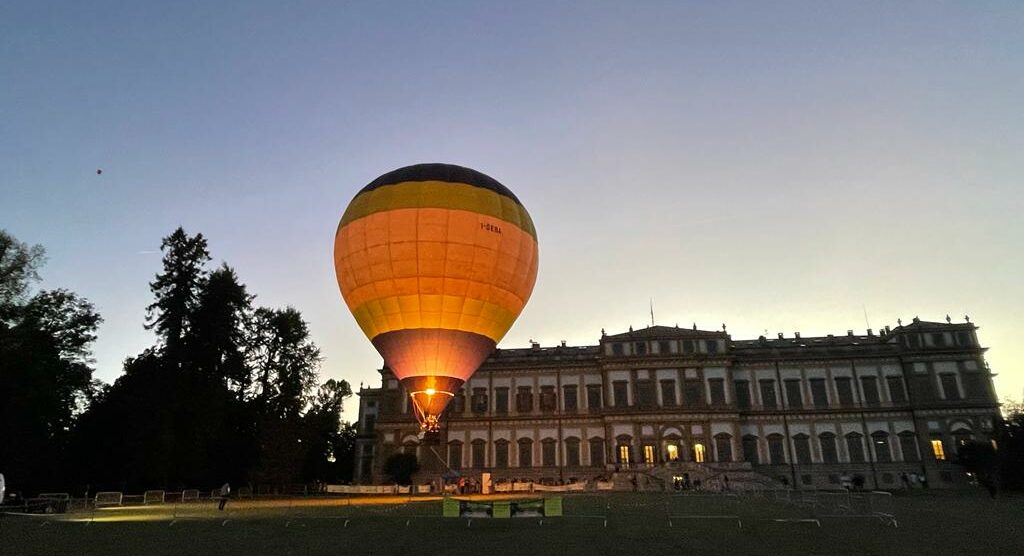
[[99, 171]]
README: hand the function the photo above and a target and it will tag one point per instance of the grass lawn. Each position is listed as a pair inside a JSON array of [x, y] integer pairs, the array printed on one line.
[[929, 523]]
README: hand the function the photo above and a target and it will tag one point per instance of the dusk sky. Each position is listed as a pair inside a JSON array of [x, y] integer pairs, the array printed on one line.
[[776, 167]]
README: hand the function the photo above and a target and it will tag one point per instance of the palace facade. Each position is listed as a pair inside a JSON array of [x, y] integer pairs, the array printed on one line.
[[661, 402]]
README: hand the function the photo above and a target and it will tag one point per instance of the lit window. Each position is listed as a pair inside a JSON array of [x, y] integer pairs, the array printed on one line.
[[648, 453], [624, 454], [937, 449], [673, 452], [698, 453]]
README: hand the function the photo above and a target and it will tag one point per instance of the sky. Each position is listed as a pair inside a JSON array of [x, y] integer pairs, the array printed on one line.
[[777, 167]]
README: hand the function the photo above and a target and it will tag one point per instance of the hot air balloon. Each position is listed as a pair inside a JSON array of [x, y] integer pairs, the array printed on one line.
[[435, 261]]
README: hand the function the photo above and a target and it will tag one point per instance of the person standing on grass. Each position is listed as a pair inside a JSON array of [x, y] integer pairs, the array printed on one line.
[[225, 491]]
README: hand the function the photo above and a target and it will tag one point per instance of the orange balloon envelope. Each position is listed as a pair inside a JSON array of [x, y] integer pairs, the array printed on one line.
[[435, 261]]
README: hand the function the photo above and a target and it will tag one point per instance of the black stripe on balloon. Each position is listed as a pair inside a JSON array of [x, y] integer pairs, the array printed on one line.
[[441, 172]]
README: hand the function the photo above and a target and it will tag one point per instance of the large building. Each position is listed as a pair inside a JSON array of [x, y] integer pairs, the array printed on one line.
[[662, 401]]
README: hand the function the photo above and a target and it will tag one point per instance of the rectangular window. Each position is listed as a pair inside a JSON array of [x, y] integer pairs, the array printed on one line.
[[479, 401], [913, 341], [694, 392], [501, 400], [668, 393], [742, 388], [664, 348], [975, 385], [570, 398], [819, 395], [572, 453], [712, 346], [547, 453], [768, 400], [597, 453], [645, 393], [648, 454], [964, 338], [688, 346], [938, 450], [616, 349], [938, 340], [844, 389], [459, 403], [370, 423], [949, 388], [923, 388], [897, 392], [717, 386], [640, 348], [524, 399], [794, 397], [455, 456], [619, 393], [548, 400], [594, 396], [672, 452], [478, 455], [501, 455], [869, 388]]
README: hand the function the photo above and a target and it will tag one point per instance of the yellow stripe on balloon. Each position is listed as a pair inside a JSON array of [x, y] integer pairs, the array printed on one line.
[[428, 311], [439, 194]]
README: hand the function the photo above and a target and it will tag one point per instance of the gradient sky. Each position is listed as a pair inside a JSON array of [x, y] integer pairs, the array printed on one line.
[[773, 166]]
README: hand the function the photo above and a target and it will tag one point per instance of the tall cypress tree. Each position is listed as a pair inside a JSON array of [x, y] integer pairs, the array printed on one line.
[[177, 290]]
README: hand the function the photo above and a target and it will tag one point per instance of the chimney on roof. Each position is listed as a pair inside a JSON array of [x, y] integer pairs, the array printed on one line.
[[534, 345], [887, 329], [870, 332], [780, 335], [796, 335], [849, 332], [563, 343]]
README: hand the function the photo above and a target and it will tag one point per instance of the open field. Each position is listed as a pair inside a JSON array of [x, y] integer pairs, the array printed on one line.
[[620, 523]]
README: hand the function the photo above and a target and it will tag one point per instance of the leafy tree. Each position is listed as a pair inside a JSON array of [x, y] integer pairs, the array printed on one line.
[[177, 289], [330, 443], [217, 340], [401, 467], [285, 361], [45, 366]]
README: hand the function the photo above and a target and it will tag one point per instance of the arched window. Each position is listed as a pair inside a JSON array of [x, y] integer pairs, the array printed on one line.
[[723, 447], [961, 436], [501, 453], [776, 451], [802, 448], [597, 452], [698, 453], [855, 447], [829, 452], [750, 454], [548, 449], [525, 452], [908, 445], [623, 450], [455, 455], [880, 441], [572, 452], [478, 453]]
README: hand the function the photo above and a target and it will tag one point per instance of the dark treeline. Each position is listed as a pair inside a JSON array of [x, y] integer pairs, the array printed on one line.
[[228, 392]]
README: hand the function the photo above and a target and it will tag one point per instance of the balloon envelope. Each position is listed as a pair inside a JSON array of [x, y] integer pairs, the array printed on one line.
[[435, 261]]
